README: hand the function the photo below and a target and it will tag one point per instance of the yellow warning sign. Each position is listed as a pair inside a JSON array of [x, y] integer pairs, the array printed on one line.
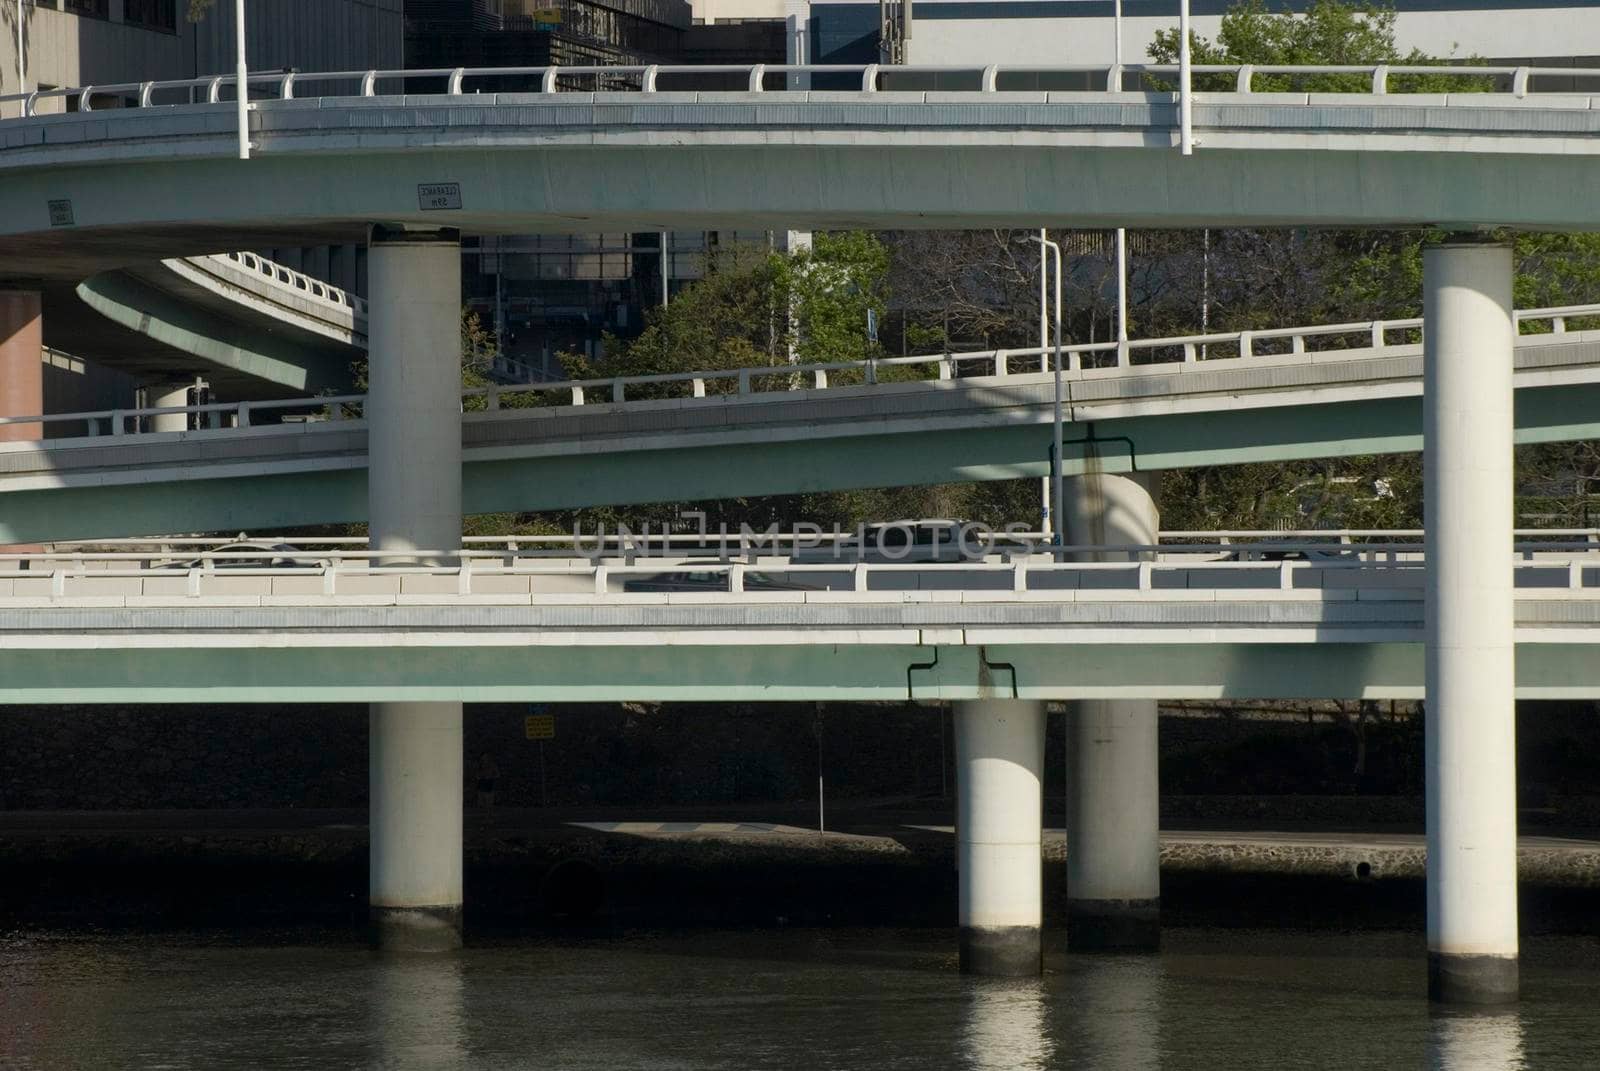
[[539, 726]]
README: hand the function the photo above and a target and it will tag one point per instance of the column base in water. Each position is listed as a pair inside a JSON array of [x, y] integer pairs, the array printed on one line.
[[1467, 979], [1113, 752], [999, 821], [415, 767], [416, 929], [1001, 951], [1114, 925]]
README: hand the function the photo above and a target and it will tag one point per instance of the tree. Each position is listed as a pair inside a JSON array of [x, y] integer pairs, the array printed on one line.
[[1329, 33], [756, 308], [1261, 278]]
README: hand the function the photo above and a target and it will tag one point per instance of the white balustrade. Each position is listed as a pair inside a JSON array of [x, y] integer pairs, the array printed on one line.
[[164, 569], [1238, 79]]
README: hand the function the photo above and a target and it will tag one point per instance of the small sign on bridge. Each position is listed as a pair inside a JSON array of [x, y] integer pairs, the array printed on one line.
[[439, 196], [539, 726]]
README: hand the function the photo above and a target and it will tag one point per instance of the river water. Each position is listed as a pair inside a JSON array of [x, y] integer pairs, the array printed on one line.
[[781, 998]]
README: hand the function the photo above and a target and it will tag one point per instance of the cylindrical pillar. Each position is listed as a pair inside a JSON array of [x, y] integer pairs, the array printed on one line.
[[168, 396], [413, 405], [413, 414], [1470, 714], [1113, 789], [415, 800], [21, 363], [999, 756]]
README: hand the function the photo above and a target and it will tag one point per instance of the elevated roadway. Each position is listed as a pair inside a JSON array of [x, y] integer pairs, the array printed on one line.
[[162, 179], [497, 627], [93, 200], [250, 327], [90, 192], [1331, 390]]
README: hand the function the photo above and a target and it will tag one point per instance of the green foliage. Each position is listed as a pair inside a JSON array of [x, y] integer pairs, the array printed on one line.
[[199, 9], [478, 350], [1326, 33], [1274, 278], [479, 347], [730, 318], [1557, 269], [833, 287], [759, 309], [1381, 277], [1360, 492]]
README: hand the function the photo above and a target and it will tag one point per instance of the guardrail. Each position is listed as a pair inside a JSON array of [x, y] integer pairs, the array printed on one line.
[[365, 575], [1178, 541], [274, 275], [682, 547], [213, 416], [1379, 79], [1182, 353]]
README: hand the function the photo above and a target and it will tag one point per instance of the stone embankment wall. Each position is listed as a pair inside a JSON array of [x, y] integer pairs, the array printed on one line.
[[1231, 767]]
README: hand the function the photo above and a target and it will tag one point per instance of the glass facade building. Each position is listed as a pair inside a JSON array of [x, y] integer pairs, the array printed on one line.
[[544, 295]]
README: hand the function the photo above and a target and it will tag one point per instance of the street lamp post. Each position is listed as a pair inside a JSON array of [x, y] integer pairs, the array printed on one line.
[[1185, 97], [1045, 499], [242, 74], [1122, 233], [22, 61], [1057, 526]]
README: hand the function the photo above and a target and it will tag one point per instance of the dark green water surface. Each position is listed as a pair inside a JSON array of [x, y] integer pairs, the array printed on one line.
[[781, 998]]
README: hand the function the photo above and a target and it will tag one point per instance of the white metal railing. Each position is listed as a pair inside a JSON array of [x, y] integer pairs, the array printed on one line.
[[652, 542], [1179, 353], [331, 572], [276, 276], [212, 416], [1377, 79], [483, 576]]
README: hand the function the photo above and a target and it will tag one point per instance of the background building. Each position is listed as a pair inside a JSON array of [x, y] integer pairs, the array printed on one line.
[[1072, 32], [106, 42], [536, 33], [77, 42], [543, 295]]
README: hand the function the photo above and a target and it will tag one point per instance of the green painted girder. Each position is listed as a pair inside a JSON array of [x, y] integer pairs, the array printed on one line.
[[298, 366], [179, 674], [1154, 442]]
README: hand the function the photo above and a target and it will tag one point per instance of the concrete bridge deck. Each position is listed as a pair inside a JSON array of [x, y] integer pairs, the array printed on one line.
[[557, 631], [1316, 403], [90, 194]]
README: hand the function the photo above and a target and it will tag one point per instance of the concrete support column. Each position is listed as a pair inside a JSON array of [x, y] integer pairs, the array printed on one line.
[[1471, 728], [413, 405], [413, 413], [1113, 789], [21, 363], [415, 800], [999, 757], [168, 396]]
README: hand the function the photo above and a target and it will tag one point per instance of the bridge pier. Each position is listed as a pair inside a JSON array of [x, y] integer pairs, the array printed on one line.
[[1113, 794], [169, 396], [1470, 721], [999, 824], [415, 797], [413, 413], [21, 363]]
